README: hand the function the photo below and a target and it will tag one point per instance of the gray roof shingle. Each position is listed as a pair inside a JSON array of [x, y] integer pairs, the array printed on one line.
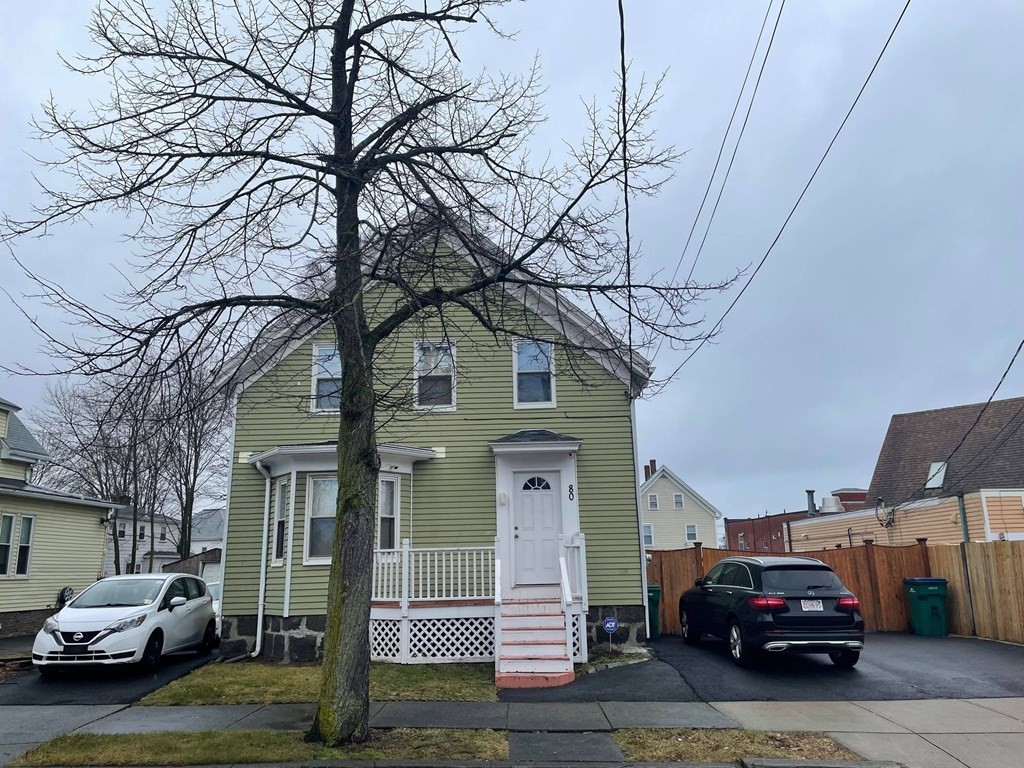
[[992, 456], [20, 441]]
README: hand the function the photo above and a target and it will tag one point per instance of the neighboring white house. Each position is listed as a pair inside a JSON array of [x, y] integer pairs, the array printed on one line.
[[208, 534], [161, 534], [675, 515]]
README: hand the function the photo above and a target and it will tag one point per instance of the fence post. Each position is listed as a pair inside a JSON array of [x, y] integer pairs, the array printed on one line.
[[405, 578], [923, 544], [699, 549], [876, 598], [967, 580]]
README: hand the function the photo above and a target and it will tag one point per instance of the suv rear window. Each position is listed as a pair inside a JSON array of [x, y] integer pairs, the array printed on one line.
[[799, 579]]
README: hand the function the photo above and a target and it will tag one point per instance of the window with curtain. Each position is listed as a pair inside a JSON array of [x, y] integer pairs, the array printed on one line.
[[387, 514], [322, 507], [326, 378], [534, 379], [281, 508], [6, 538], [435, 375]]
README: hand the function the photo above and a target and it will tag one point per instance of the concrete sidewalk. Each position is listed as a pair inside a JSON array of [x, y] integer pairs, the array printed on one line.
[[941, 733]]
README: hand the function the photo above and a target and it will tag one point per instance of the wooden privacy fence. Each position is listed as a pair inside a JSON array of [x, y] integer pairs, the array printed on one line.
[[986, 582]]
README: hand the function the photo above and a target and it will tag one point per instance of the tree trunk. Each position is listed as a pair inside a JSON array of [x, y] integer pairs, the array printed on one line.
[[114, 529]]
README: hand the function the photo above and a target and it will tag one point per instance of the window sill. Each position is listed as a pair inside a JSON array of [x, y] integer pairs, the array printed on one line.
[[534, 406], [324, 412], [318, 561], [434, 408]]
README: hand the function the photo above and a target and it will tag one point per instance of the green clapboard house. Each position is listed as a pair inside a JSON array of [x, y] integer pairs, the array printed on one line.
[[507, 520]]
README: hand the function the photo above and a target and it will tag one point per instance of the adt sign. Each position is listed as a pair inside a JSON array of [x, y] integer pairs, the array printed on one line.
[[611, 625]]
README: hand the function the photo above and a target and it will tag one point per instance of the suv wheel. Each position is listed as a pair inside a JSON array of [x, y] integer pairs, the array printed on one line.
[[150, 661], [741, 654], [209, 639], [691, 631], [845, 659]]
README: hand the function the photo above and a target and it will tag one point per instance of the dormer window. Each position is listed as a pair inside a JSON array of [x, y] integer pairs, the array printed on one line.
[[326, 378], [435, 375], [936, 475], [534, 379]]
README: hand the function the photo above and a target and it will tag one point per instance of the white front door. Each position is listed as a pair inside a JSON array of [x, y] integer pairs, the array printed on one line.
[[537, 523]]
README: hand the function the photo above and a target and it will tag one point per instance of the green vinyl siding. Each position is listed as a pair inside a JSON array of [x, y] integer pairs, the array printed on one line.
[[448, 501]]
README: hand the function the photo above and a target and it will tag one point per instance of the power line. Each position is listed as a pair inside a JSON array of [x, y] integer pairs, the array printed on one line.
[[721, 150], [625, 189], [799, 199]]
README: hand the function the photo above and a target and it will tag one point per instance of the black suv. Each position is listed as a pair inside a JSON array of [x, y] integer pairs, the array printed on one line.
[[774, 604]]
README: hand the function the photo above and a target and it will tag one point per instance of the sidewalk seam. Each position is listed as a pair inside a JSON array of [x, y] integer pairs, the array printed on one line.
[[915, 733]]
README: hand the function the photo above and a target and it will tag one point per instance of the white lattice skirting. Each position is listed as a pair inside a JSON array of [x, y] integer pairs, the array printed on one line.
[[446, 640]]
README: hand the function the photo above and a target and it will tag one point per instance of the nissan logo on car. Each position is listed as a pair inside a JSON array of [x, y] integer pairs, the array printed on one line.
[[77, 636]]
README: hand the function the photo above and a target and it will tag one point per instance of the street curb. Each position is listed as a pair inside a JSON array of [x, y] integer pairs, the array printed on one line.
[[774, 762], [747, 763]]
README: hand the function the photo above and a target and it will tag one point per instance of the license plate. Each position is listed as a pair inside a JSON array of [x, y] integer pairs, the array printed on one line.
[[76, 650], [811, 605]]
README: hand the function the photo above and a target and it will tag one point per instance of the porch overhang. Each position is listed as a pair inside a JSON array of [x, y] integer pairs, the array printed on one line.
[[323, 457], [535, 441]]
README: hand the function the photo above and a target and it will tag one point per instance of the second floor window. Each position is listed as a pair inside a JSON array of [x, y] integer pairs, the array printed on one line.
[[652, 501], [326, 378], [435, 375], [142, 533], [121, 527], [163, 533], [534, 382], [677, 501]]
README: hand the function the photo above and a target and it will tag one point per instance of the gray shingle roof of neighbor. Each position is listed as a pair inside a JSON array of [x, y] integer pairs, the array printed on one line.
[[208, 523], [992, 456], [537, 436], [20, 441]]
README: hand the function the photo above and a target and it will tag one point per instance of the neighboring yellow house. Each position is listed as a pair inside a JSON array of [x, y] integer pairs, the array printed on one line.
[[674, 515], [48, 540], [928, 462]]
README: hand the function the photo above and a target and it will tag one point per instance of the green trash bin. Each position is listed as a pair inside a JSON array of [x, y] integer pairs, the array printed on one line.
[[653, 605], [926, 599]]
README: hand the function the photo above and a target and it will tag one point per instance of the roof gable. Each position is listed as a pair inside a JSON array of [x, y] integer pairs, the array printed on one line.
[[992, 455], [665, 472]]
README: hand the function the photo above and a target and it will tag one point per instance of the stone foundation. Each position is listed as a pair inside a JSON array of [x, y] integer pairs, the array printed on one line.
[[632, 628], [292, 639], [19, 623]]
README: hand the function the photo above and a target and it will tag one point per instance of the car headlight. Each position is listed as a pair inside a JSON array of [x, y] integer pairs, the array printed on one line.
[[50, 625], [126, 624]]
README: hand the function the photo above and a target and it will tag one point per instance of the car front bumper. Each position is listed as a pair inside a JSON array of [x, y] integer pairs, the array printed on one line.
[[115, 648]]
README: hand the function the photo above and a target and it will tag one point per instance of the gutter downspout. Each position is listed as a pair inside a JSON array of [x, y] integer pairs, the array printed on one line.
[[263, 563]]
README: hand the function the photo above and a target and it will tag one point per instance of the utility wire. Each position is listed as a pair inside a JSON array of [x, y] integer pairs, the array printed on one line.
[[721, 151], [624, 114], [799, 199]]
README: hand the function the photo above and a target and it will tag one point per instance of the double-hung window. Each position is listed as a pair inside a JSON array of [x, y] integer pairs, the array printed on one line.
[[28, 525], [6, 538], [691, 532], [534, 380], [435, 375], [652, 501], [163, 533], [142, 533], [282, 504], [387, 513], [677, 501], [326, 378], [321, 512], [648, 535], [121, 528]]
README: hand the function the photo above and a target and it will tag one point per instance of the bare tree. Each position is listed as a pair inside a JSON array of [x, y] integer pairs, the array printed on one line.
[[292, 164]]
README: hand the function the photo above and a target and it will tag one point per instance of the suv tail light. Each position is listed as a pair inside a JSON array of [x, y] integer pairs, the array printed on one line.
[[848, 603], [762, 603]]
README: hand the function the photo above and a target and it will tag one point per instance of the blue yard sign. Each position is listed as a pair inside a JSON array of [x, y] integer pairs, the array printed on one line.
[[611, 626]]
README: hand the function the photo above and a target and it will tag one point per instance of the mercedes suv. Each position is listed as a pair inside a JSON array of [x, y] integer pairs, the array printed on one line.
[[774, 605]]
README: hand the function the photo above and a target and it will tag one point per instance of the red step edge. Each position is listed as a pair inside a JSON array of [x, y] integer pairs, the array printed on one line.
[[532, 679]]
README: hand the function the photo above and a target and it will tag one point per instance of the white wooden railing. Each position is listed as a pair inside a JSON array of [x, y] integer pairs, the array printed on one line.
[[410, 575], [573, 549]]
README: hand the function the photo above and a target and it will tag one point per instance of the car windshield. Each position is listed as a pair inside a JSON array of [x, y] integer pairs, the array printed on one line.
[[799, 579], [214, 590], [119, 593]]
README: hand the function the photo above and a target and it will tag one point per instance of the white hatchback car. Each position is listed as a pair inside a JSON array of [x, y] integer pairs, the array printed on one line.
[[128, 619]]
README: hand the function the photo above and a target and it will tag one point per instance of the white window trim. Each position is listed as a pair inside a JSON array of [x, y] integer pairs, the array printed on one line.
[[515, 376], [308, 515], [678, 501], [397, 479], [417, 348], [686, 532], [31, 547], [652, 497], [275, 561], [314, 376], [11, 553], [643, 534]]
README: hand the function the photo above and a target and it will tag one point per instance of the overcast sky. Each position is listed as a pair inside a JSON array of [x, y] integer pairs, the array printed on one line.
[[897, 286]]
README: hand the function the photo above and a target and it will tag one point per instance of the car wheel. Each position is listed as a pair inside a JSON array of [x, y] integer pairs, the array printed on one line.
[[691, 631], [151, 657], [741, 654], [845, 659], [209, 639]]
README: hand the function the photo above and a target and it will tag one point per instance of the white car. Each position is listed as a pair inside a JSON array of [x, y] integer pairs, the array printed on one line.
[[128, 619]]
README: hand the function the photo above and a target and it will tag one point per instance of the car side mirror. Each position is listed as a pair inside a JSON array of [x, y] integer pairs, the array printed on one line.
[[176, 601], [699, 582]]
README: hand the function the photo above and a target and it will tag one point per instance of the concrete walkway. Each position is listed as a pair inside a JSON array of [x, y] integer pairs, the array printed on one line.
[[943, 733]]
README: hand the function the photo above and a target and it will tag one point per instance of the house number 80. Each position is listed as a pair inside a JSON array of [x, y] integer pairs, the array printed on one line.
[[572, 493]]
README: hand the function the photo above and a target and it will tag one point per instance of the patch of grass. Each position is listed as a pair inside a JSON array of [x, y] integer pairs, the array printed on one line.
[[225, 747], [656, 746], [260, 683]]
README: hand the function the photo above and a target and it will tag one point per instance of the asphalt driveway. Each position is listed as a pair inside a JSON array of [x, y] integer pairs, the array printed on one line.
[[104, 685], [892, 666]]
